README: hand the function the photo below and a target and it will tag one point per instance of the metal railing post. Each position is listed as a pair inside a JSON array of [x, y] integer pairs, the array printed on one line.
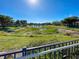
[[24, 53], [5, 57]]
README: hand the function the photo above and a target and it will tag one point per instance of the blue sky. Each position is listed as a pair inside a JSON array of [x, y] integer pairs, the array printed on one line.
[[43, 11]]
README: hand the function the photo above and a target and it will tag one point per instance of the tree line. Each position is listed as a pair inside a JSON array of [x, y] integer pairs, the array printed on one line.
[[72, 21], [6, 21]]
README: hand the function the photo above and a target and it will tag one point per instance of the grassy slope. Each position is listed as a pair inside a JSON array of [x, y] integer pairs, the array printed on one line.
[[20, 38]]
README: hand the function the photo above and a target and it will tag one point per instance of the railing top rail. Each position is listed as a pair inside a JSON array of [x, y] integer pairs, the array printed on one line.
[[9, 53], [48, 51], [50, 44]]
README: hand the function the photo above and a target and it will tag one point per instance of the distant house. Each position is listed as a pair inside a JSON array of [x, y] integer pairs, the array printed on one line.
[[75, 24]]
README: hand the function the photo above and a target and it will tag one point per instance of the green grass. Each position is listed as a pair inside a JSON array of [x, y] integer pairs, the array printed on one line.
[[14, 42], [20, 38], [49, 31]]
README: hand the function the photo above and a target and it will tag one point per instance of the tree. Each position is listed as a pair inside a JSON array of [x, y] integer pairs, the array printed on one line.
[[57, 23], [17, 23], [21, 23], [70, 20], [5, 21]]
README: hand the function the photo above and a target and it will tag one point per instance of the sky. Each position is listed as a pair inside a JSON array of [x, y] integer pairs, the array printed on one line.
[[39, 11]]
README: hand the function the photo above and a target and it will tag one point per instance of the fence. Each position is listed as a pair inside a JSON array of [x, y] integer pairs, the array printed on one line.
[[66, 51], [29, 51]]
